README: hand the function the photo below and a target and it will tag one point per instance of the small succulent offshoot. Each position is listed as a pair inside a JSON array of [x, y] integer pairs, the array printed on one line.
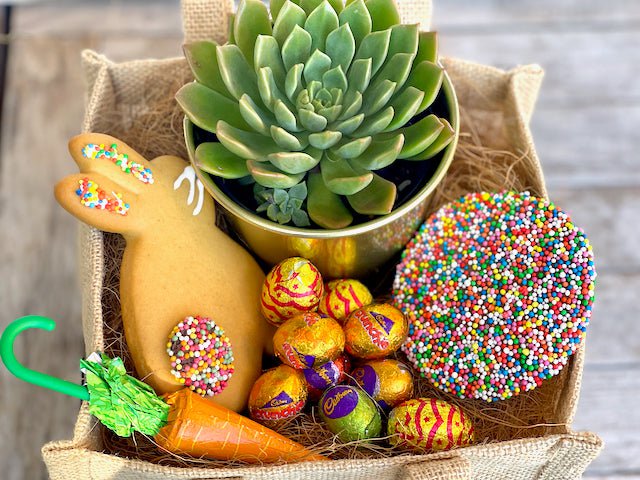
[[320, 94]]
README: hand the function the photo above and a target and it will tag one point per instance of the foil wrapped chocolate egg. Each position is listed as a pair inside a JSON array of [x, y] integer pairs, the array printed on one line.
[[341, 297], [389, 382], [292, 287], [350, 414], [277, 394], [375, 331], [326, 375], [308, 340], [426, 424]]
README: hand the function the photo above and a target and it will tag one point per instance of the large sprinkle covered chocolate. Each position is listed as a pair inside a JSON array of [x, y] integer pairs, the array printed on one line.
[[498, 290], [292, 287]]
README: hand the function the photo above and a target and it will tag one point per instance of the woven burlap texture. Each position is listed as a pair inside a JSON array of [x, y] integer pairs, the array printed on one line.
[[502, 102]]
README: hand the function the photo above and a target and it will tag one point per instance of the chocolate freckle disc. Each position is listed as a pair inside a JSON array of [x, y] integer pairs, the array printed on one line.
[[498, 290]]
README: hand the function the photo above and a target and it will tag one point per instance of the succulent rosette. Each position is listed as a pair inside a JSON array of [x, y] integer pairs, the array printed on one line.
[[310, 100]]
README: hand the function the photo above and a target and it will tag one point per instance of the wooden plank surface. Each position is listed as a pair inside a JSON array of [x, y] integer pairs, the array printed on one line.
[[584, 126]]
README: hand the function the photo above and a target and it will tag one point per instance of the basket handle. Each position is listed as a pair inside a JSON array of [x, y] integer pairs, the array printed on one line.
[[453, 468], [209, 19]]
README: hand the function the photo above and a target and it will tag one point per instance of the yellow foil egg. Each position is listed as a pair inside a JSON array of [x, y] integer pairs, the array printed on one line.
[[375, 331], [278, 394], [426, 424], [341, 297], [292, 287], [389, 382], [308, 340]]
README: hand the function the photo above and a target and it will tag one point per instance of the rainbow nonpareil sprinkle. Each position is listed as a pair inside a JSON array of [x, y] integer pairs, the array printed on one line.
[[498, 290], [201, 355], [92, 196], [95, 151]]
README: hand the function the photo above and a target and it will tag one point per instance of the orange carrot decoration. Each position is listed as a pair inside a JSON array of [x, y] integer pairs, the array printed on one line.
[[182, 423], [200, 428]]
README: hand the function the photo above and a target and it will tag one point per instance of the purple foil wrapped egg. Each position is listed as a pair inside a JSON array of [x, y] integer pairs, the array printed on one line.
[[326, 375]]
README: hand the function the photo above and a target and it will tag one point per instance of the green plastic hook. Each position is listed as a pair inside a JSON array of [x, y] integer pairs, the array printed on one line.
[[8, 356]]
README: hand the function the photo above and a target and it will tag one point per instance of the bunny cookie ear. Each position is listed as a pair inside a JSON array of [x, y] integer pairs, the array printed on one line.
[[100, 202], [112, 158]]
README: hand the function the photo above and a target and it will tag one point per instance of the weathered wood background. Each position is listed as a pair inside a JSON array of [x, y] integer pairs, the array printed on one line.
[[585, 126]]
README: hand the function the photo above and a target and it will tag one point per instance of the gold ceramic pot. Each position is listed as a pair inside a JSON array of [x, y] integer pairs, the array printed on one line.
[[351, 252]]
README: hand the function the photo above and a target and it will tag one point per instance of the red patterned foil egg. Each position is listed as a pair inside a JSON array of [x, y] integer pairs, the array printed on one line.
[[278, 394], [341, 297], [292, 287], [426, 424], [308, 341], [375, 331]]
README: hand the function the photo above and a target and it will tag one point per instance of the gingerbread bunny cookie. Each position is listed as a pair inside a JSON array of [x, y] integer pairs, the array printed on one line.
[[177, 269]]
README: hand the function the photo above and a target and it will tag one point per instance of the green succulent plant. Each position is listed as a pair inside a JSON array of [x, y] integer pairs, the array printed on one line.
[[317, 92], [283, 206]]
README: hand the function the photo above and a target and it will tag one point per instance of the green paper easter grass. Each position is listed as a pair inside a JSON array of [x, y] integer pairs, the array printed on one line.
[[476, 167]]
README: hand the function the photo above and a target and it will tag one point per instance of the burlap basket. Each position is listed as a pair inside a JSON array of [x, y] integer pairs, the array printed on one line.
[[133, 101]]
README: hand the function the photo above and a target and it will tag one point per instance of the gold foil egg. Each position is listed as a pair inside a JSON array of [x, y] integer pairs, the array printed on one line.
[[278, 394], [308, 340], [375, 331], [389, 382], [292, 287], [426, 424], [341, 297]]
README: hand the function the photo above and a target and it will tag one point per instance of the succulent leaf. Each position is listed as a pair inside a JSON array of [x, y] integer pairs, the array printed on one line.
[[245, 144], [259, 120], [270, 176], [405, 106], [420, 135], [358, 18], [252, 19], [341, 47], [384, 14], [352, 148], [205, 107], [203, 61], [376, 123], [296, 48], [376, 199], [375, 46], [320, 23], [444, 138], [267, 54], [381, 153], [427, 47], [214, 158], [404, 39], [426, 76], [289, 16], [325, 207], [237, 74], [295, 162], [343, 178], [319, 92]]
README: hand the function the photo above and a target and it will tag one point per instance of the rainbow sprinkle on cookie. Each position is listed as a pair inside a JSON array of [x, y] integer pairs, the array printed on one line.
[[498, 290], [201, 355], [95, 151], [92, 196]]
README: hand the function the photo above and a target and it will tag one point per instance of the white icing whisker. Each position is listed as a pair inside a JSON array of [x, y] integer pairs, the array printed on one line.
[[189, 174]]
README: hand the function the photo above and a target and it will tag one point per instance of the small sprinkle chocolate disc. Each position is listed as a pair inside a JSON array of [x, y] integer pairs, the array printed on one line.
[[201, 355], [498, 290]]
